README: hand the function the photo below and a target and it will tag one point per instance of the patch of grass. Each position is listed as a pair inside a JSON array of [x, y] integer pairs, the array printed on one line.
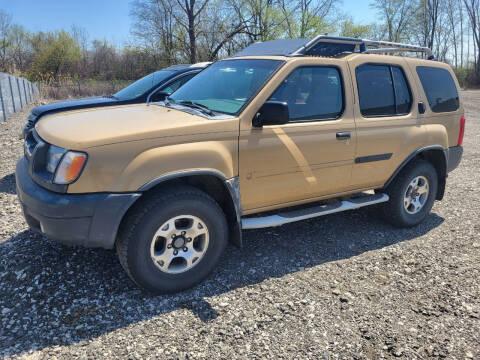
[[71, 88]]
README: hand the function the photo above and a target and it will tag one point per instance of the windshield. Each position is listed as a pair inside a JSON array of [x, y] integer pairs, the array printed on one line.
[[141, 86], [226, 85]]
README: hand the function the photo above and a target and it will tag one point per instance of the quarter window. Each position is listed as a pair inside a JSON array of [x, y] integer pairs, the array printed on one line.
[[439, 88], [383, 90], [402, 92], [312, 93]]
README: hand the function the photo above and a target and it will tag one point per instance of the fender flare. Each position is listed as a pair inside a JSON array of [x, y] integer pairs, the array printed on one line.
[[232, 186], [441, 177], [180, 174]]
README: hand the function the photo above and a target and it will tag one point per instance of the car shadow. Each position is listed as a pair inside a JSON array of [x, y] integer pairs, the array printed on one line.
[[56, 295], [7, 184]]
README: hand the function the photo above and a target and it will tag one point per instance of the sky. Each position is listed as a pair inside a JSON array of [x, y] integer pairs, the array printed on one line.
[[109, 19]]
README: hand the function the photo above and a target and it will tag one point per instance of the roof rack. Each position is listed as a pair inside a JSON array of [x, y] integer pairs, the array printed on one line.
[[324, 45], [392, 47]]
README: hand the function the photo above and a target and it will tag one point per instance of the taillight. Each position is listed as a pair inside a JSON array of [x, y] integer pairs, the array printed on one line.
[[462, 130]]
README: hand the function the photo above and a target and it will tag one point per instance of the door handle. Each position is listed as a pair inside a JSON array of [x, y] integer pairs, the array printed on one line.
[[421, 107], [343, 135]]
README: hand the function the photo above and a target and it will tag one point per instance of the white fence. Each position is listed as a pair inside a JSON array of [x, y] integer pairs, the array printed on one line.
[[15, 93]]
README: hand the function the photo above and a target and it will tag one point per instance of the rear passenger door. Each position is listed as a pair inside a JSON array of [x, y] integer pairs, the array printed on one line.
[[386, 115]]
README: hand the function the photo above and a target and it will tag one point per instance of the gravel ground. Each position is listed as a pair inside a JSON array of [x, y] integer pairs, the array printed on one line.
[[340, 286]]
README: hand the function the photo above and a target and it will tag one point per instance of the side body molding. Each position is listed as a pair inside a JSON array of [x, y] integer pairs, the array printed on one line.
[[233, 187]]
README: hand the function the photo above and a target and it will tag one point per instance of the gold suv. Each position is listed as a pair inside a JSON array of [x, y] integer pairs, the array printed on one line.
[[331, 124]]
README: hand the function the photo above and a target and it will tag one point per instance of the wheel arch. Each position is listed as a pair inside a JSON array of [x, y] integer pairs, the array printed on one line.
[[223, 190], [437, 156]]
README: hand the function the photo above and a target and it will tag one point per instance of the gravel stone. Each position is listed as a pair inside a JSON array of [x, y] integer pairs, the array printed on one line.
[[340, 286]]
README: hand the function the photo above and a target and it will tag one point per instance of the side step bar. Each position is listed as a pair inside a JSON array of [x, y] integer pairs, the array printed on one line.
[[303, 214]]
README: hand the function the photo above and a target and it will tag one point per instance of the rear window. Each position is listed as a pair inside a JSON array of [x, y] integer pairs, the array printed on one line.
[[439, 88], [383, 90]]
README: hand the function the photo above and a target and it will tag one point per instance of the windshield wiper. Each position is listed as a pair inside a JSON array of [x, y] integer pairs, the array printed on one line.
[[198, 106], [168, 100], [111, 96]]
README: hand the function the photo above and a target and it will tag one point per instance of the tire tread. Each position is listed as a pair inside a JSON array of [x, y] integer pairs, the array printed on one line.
[[144, 206], [391, 213]]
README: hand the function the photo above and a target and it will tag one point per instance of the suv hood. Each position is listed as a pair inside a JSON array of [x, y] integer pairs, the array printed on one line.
[[73, 104], [81, 129]]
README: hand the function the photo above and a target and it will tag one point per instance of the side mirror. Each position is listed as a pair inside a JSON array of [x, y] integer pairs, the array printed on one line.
[[421, 108], [159, 96], [272, 113]]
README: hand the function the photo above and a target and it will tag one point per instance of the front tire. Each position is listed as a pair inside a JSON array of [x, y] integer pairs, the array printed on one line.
[[172, 240], [412, 194]]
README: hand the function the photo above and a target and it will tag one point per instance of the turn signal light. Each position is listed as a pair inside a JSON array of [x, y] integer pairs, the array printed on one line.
[[70, 167]]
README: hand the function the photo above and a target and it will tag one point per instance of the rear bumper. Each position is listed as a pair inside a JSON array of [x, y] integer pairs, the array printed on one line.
[[89, 220], [454, 157]]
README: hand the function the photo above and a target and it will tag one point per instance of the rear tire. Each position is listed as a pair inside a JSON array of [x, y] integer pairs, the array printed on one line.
[[412, 194], [172, 240]]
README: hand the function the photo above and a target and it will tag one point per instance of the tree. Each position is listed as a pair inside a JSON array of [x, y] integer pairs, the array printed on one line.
[[473, 10], [453, 13], [154, 27], [218, 28], [55, 53], [20, 48], [181, 30], [104, 60], [263, 21], [5, 27], [80, 35], [396, 17], [428, 16], [349, 29], [187, 14], [312, 16]]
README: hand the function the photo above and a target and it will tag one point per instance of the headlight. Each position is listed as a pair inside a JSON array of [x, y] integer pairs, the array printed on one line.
[[66, 166], [53, 158], [70, 167]]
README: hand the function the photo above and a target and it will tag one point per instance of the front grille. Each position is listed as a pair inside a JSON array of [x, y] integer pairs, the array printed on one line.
[[29, 125], [31, 141], [31, 121], [36, 152]]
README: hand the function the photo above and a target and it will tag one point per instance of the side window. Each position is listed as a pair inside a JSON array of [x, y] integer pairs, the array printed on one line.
[[173, 86], [312, 93], [402, 92], [439, 88], [383, 90]]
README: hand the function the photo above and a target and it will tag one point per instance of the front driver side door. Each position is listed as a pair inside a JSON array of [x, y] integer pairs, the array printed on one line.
[[310, 156]]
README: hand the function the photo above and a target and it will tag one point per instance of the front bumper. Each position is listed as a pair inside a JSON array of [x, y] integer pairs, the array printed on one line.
[[89, 220]]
